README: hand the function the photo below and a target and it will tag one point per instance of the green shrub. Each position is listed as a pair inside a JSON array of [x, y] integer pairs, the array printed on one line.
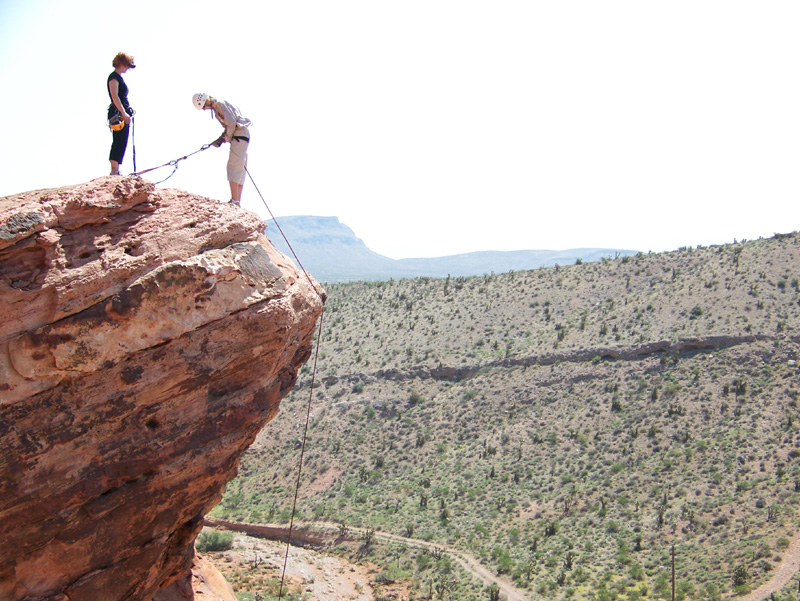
[[212, 540], [740, 576]]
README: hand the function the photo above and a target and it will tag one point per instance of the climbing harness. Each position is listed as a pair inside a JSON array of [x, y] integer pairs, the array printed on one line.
[[311, 391], [173, 164], [115, 123]]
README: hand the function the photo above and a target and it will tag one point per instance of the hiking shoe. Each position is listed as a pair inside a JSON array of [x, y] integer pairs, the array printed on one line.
[[234, 202]]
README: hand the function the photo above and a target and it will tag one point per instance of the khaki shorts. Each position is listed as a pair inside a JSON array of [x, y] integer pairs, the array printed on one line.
[[237, 161]]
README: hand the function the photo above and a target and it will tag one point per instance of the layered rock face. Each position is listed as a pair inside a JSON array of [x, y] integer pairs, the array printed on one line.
[[146, 337]]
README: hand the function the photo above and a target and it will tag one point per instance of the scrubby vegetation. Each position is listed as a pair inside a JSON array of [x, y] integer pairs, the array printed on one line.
[[567, 426], [213, 540]]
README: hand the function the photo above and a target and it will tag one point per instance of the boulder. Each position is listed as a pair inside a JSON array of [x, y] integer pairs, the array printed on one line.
[[146, 337]]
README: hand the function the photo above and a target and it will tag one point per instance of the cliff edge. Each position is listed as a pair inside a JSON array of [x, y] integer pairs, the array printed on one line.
[[146, 337]]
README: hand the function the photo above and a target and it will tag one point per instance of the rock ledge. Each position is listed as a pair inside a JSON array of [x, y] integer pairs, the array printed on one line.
[[146, 338]]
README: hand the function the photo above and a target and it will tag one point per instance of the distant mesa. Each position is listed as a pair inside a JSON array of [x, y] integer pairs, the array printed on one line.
[[331, 251]]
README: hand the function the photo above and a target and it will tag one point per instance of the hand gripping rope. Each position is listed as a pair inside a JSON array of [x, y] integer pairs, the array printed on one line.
[[173, 164]]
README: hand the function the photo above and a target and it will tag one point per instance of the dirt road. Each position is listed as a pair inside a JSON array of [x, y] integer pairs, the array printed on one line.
[[468, 562], [781, 575], [508, 591]]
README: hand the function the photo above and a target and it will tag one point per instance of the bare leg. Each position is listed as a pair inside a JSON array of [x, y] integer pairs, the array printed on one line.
[[114, 168], [236, 191]]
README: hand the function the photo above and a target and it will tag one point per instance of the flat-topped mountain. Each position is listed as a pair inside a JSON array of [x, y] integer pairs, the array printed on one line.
[[331, 251]]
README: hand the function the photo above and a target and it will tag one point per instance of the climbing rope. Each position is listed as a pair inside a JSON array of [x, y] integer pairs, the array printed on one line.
[[173, 164], [302, 455], [285, 239], [310, 393], [133, 139]]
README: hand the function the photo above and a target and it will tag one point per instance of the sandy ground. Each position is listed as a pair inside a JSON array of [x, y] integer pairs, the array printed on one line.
[[329, 578], [324, 577]]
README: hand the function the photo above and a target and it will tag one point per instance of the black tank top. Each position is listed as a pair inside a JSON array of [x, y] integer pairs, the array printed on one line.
[[122, 90]]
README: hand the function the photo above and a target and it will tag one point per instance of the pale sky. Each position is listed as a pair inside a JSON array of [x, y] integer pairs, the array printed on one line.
[[433, 127]]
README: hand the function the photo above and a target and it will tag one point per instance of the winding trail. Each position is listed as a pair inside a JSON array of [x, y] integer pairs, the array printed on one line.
[[788, 567], [466, 561], [318, 532]]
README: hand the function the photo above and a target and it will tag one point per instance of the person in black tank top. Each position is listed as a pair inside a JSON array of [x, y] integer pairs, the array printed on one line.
[[119, 107]]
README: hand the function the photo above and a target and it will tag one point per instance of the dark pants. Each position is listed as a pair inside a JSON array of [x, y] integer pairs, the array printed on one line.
[[119, 144]]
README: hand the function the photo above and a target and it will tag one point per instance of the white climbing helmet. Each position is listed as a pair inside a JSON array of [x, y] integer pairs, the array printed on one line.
[[199, 100]]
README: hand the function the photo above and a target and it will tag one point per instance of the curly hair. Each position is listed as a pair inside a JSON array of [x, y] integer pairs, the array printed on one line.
[[123, 59]]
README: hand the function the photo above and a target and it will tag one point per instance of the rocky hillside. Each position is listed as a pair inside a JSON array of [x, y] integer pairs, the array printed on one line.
[[565, 425], [146, 337]]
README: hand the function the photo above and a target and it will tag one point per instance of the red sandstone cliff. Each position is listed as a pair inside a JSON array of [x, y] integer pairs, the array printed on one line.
[[146, 336]]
